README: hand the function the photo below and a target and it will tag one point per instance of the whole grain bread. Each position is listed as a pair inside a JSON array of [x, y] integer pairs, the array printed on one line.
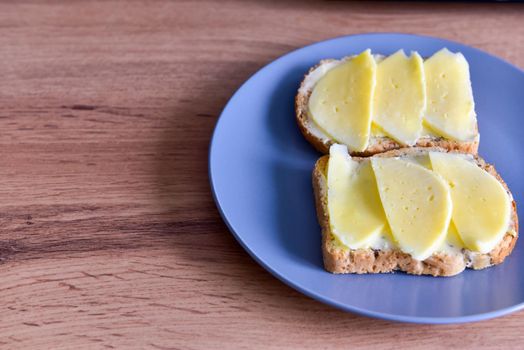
[[377, 144], [339, 259]]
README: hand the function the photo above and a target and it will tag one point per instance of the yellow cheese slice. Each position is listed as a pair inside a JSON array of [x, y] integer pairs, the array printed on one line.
[[417, 204], [354, 208], [399, 101], [341, 101], [481, 205], [450, 107], [453, 238], [420, 159]]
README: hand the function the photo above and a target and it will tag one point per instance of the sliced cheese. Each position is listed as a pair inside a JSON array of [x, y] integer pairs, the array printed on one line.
[[354, 208], [450, 106], [417, 204], [453, 238], [341, 101], [420, 159], [481, 205], [399, 101]]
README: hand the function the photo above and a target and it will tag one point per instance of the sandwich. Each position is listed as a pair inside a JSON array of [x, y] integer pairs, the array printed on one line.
[[373, 104], [418, 210]]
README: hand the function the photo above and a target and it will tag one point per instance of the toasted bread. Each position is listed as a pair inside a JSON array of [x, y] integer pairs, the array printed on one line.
[[377, 144], [339, 259]]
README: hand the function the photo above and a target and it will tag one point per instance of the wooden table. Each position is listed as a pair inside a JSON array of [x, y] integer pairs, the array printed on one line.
[[110, 237]]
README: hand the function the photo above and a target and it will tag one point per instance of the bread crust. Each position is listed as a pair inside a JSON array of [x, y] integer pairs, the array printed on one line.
[[378, 144], [343, 260]]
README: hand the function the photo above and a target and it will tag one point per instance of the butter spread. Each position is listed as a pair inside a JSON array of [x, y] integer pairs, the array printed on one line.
[[354, 207], [450, 106], [481, 205], [417, 205], [399, 101], [341, 101]]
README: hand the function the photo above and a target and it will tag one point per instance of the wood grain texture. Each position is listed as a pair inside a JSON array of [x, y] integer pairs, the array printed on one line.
[[110, 237]]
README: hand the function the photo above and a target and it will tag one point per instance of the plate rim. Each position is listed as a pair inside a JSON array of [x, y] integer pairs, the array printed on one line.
[[319, 297]]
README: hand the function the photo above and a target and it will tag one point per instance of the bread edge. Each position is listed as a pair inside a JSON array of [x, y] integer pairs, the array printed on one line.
[[340, 260], [383, 144]]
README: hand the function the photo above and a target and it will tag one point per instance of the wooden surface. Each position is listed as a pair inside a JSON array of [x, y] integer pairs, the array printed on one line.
[[110, 237]]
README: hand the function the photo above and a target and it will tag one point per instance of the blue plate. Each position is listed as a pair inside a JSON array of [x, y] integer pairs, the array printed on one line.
[[260, 169]]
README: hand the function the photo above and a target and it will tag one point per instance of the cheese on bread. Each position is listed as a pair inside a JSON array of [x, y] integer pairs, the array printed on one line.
[[418, 236], [394, 123]]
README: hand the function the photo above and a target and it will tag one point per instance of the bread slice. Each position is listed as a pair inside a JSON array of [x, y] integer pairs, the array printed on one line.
[[377, 144], [339, 259]]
